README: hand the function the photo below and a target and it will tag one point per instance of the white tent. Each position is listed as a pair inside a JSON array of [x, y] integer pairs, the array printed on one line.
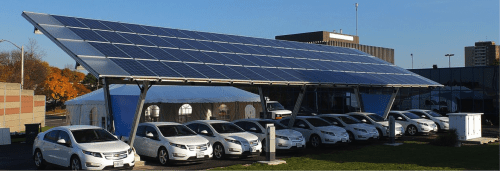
[[90, 108]]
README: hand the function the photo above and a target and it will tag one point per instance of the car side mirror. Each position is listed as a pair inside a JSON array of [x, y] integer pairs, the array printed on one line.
[[363, 120], [423, 116], [61, 141], [302, 126], [399, 118], [204, 132], [253, 129], [335, 123], [149, 135]]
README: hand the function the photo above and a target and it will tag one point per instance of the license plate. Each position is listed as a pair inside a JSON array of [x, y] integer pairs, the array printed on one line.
[[299, 145], [118, 164], [344, 140], [200, 155]]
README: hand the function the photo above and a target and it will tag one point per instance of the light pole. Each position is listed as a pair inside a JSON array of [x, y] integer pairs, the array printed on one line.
[[356, 19], [22, 60], [412, 61], [449, 59]]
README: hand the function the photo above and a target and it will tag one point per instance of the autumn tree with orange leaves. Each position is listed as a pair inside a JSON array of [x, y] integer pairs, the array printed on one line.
[[63, 85]]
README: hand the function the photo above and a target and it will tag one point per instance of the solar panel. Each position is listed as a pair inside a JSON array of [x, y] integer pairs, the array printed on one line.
[[107, 48]]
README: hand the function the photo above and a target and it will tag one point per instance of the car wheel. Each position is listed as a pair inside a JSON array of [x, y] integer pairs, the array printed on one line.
[[412, 130], [39, 162], [380, 135], [264, 145], [438, 127], [315, 141], [351, 137], [163, 156], [75, 163], [218, 151]]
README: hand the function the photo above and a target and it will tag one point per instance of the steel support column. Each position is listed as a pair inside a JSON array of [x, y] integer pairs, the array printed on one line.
[[297, 106], [138, 112], [391, 101], [107, 103], [358, 98], [263, 103]]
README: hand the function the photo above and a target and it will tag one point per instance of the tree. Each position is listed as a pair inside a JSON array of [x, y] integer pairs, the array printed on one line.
[[35, 70], [63, 85], [91, 82]]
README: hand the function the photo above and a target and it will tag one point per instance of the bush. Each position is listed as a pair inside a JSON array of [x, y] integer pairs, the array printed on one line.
[[450, 138]]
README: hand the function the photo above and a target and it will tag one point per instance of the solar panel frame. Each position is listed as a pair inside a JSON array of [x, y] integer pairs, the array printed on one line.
[[135, 52], [112, 37], [160, 69], [159, 53], [93, 24], [87, 34], [136, 39], [230, 73], [185, 70], [181, 55], [158, 41], [69, 21], [207, 71], [137, 28], [177, 42], [203, 57], [133, 67], [109, 50], [116, 26]]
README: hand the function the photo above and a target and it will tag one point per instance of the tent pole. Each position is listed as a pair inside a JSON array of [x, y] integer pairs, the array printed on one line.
[[263, 103], [107, 103], [297, 106], [138, 111], [391, 101], [358, 98]]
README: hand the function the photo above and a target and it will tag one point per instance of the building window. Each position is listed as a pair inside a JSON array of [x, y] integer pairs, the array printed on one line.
[[224, 113], [152, 113], [185, 113]]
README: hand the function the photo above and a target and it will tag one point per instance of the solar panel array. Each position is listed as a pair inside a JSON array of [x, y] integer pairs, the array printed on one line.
[[115, 49]]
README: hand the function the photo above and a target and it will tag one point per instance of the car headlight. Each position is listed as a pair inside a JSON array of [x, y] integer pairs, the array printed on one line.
[[422, 124], [361, 130], [329, 133], [95, 154], [178, 145], [233, 141], [130, 150], [282, 137]]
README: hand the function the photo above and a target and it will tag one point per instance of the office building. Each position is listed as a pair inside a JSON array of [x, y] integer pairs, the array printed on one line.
[[481, 54]]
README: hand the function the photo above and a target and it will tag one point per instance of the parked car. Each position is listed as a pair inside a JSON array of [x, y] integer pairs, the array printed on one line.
[[171, 142], [277, 110], [442, 122], [317, 131], [81, 147], [377, 121], [356, 129], [226, 138], [286, 139], [412, 123]]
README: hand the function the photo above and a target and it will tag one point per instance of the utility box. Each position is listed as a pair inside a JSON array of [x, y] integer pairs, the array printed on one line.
[[5, 136], [468, 125]]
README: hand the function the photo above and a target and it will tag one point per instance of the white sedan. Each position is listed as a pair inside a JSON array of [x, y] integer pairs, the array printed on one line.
[[317, 131], [226, 138], [81, 147], [379, 122], [412, 123], [356, 129], [171, 142], [442, 122], [286, 139]]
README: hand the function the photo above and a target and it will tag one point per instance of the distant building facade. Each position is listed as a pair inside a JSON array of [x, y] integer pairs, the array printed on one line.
[[19, 107], [481, 54], [341, 40]]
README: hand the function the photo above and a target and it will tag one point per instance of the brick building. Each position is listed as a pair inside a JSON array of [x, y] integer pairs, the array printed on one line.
[[19, 107], [481, 54]]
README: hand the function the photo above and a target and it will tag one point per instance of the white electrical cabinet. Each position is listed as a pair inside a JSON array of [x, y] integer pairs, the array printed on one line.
[[468, 125], [4, 136]]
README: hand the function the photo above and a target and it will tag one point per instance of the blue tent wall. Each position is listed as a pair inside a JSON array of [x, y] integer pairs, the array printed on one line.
[[123, 112], [375, 103]]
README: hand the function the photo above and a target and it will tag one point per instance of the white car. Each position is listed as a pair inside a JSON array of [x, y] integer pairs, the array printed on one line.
[[379, 122], [318, 131], [412, 123], [81, 147], [226, 138], [356, 129], [442, 122], [286, 139], [171, 142]]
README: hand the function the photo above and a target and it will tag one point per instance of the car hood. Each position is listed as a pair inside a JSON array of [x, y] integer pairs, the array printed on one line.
[[427, 121], [331, 129], [282, 112], [240, 136], [187, 140], [363, 126], [103, 147], [386, 123], [443, 119], [288, 133]]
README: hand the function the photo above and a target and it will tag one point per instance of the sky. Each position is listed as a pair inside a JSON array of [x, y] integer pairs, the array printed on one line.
[[428, 29]]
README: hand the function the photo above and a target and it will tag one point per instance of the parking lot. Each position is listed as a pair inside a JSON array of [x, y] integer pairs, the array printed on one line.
[[17, 156]]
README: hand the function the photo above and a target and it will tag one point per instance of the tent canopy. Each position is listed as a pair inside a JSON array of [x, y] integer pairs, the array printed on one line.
[[172, 94]]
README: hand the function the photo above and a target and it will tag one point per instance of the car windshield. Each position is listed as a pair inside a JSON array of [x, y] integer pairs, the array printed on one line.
[[92, 135], [316, 122], [275, 106], [175, 130], [226, 128], [410, 115], [433, 114], [376, 117], [277, 126], [349, 120]]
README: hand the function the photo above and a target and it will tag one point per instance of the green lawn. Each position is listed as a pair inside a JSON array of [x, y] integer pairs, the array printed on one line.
[[409, 156]]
